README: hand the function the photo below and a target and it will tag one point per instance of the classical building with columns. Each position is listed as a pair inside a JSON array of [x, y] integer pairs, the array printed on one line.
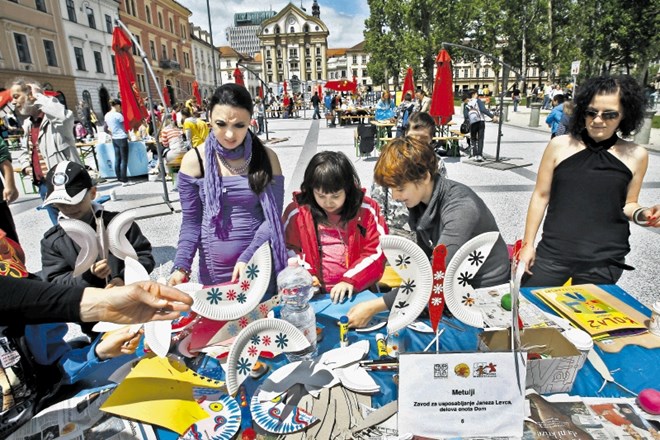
[[294, 47]]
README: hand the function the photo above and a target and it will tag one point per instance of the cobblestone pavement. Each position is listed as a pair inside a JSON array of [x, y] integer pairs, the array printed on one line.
[[506, 192]]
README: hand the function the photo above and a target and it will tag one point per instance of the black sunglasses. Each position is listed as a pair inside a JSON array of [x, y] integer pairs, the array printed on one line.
[[605, 116]]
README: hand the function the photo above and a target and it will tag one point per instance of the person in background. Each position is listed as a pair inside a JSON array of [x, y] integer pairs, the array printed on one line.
[[194, 128], [232, 191], [554, 117], [48, 133], [422, 102], [80, 130], [441, 211], [403, 112], [588, 187], [114, 124], [8, 191], [261, 113], [515, 97], [316, 103], [474, 111], [335, 228], [566, 116]]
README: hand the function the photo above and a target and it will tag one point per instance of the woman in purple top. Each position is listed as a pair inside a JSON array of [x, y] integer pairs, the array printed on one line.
[[231, 191]]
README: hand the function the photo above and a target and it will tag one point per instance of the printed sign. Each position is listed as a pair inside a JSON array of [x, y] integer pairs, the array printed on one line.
[[460, 395], [575, 68]]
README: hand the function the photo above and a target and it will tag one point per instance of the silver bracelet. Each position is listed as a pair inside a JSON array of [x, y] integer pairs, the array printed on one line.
[[635, 217]]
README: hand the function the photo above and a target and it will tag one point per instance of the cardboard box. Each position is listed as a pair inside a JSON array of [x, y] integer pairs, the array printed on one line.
[[554, 374]]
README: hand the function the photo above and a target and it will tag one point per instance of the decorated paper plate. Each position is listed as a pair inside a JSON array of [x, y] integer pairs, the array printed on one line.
[[272, 335], [84, 236], [412, 265], [118, 244], [224, 416], [227, 302], [277, 417], [158, 335], [459, 294]]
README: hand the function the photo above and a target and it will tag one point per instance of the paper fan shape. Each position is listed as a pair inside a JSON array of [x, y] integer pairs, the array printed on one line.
[[134, 271], [158, 335], [227, 302], [118, 244], [412, 265], [273, 335], [277, 417], [84, 236], [224, 416], [459, 294]]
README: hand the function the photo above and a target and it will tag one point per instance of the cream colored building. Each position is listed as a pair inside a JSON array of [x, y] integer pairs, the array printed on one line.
[[33, 46], [202, 53], [294, 48]]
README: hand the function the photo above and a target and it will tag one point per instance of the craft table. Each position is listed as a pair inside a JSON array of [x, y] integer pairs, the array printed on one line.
[[138, 163], [87, 148], [381, 134], [637, 367]]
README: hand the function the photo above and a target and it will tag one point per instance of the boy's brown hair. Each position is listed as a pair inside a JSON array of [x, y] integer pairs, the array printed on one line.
[[404, 160]]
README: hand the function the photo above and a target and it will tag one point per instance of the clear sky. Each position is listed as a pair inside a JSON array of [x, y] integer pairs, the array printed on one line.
[[344, 18]]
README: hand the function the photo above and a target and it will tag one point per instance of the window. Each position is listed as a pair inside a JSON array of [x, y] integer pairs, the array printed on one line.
[[267, 53], [318, 74], [98, 61], [186, 60], [279, 53], [354, 59], [486, 72], [270, 78], [318, 50], [476, 72], [71, 10], [308, 65], [134, 13], [279, 66], [309, 77], [90, 18], [108, 23], [355, 72], [147, 13], [292, 30], [137, 39], [228, 63], [80, 59], [51, 56], [183, 31], [174, 57], [41, 5], [294, 66], [343, 74], [152, 47], [293, 53], [277, 29], [160, 19], [269, 66], [171, 25], [140, 82], [466, 73], [22, 48], [114, 70], [163, 49]]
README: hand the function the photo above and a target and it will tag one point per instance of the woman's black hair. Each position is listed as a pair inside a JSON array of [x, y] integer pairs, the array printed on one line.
[[260, 172], [330, 172], [631, 96]]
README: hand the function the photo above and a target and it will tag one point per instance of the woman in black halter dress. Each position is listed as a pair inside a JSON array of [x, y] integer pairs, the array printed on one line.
[[588, 186]]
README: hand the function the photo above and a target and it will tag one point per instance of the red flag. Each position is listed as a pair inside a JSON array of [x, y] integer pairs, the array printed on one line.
[[408, 84], [132, 106], [442, 100], [238, 76], [198, 97], [260, 91], [166, 97], [437, 298], [341, 86]]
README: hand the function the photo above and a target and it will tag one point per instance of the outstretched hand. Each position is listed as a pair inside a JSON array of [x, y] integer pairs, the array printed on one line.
[[133, 304]]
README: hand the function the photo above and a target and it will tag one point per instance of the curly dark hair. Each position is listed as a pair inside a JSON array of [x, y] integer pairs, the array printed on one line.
[[630, 93], [330, 172]]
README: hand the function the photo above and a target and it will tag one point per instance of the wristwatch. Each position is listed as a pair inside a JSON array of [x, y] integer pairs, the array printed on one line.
[[184, 271]]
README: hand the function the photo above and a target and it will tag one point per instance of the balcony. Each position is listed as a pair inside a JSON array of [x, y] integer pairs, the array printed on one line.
[[170, 64]]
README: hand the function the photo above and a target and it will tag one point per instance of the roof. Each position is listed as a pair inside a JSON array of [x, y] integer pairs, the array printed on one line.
[[230, 52], [358, 47], [335, 52]]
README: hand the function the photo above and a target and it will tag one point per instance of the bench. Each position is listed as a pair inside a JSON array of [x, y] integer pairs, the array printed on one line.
[[452, 142]]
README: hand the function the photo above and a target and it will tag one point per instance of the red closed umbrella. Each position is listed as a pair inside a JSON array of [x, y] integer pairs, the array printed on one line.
[[166, 97], [238, 76], [132, 106], [260, 91], [198, 96], [408, 84], [285, 85], [442, 100], [320, 90]]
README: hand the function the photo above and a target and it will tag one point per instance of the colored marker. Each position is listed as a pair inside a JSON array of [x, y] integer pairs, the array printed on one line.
[[381, 345], [343, 331]]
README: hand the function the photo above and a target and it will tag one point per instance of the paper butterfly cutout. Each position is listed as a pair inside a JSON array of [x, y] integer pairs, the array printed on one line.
[[412, 265], [272, 335], [459, 293]]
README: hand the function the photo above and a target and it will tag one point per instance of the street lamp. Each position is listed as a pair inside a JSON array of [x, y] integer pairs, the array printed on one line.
[[208, 12]]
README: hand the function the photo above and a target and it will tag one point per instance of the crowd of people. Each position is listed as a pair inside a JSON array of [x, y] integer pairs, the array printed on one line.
[[232, 195]]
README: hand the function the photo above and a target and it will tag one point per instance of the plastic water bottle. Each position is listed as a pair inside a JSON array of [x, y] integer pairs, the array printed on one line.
[[294, 285]]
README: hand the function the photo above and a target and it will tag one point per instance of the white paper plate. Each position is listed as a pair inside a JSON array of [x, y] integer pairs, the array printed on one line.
[[158, 335], [227, 302], [84, 236], [356, 378], [224, 416], [459, 294], [411, 263], [277, 417], [134, 271], [273, 335], [118, 244]]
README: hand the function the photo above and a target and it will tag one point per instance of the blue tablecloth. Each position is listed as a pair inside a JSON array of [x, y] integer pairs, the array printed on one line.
[[138, 163], [637, 367]]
